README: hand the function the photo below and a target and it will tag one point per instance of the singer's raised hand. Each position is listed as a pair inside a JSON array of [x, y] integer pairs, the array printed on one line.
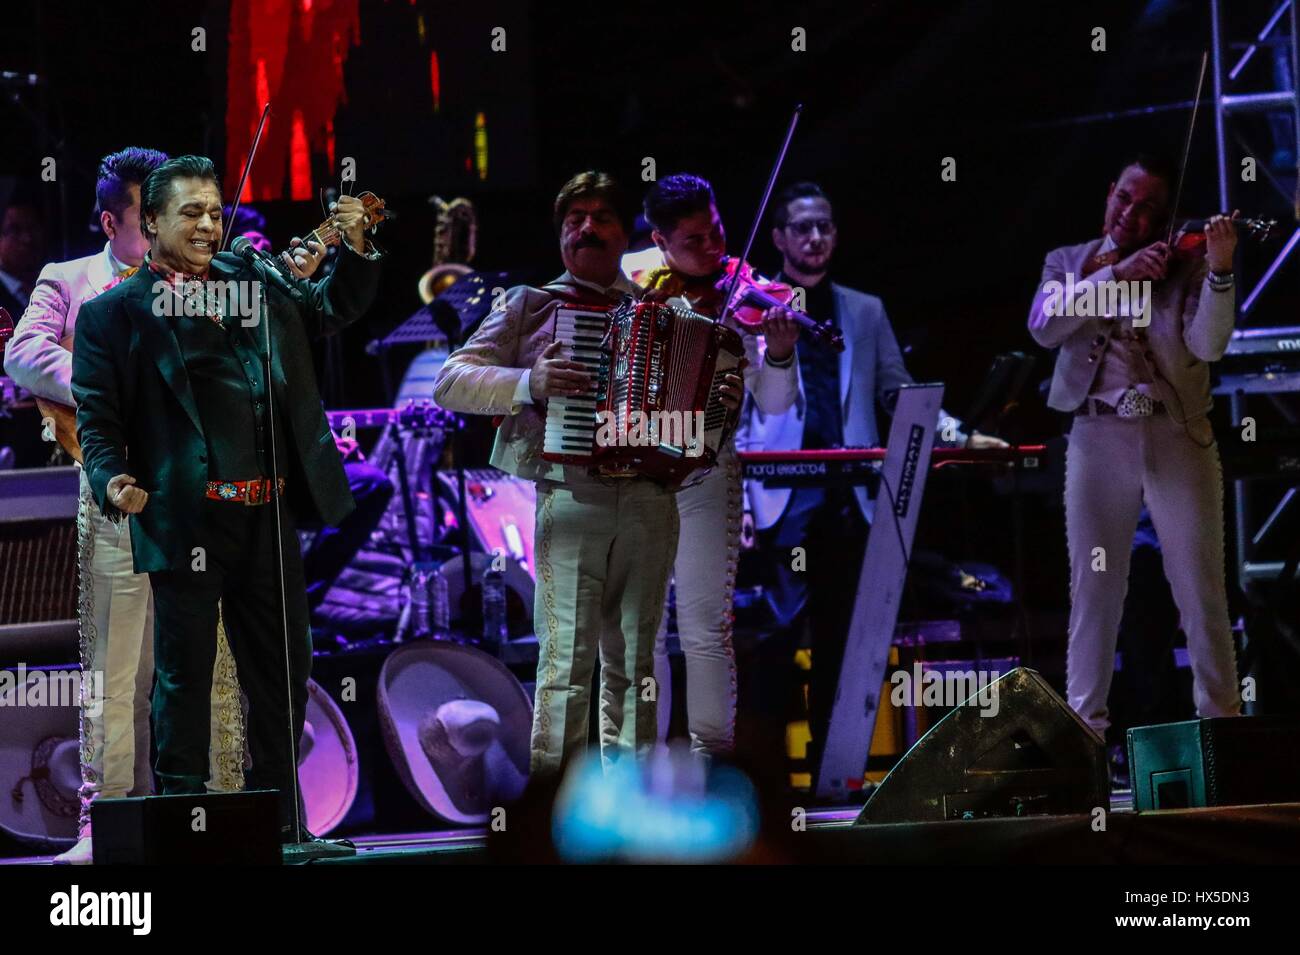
[[350, 218]]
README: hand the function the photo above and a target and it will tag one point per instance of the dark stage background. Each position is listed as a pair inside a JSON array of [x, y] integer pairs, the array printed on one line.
[[890, 89]]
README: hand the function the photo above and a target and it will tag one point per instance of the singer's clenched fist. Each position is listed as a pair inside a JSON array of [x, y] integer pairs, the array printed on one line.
[[125, 496]]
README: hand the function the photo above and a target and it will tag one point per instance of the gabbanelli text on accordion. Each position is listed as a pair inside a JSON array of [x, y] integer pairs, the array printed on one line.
[[654, 407]]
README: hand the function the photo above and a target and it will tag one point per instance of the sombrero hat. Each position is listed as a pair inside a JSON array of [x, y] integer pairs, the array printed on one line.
[[328, 772], [456, 725], [40, 766]]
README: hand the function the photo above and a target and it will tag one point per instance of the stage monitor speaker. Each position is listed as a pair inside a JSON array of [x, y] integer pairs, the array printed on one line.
[[1230, 761], [38, 564], [205, 829], [1015, 748]]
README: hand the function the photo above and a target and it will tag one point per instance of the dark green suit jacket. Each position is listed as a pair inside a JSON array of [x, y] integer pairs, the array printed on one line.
[[136, 412]]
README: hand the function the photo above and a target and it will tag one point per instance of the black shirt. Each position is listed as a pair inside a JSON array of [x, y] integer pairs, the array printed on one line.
[[227, 372], [819, 369]]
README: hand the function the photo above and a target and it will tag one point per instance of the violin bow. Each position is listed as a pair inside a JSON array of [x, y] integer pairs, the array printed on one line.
[[1187, 148], [243, 176], [762, 207]]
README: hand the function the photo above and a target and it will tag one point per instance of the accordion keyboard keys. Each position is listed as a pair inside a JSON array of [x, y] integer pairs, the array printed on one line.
[[571, 419]]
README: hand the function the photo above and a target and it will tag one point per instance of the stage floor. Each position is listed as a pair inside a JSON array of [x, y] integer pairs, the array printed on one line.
[[469, 845], [1233, 835]]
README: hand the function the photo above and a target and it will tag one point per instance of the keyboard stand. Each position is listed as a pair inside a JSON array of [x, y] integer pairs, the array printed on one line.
[[880, 591]]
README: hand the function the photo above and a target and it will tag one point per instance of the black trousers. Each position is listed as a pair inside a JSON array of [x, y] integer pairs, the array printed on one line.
[[828, 525], [236, 566]]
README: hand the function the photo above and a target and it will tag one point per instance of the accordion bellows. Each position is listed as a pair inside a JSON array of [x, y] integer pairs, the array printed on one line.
[[654, 408]]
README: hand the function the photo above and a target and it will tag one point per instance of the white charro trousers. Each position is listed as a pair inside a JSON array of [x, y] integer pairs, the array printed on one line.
[[704, 580], [1112, 464], [115, 611], [604, 550]]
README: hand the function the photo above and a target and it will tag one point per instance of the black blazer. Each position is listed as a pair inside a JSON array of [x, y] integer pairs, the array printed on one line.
[[136, 413]]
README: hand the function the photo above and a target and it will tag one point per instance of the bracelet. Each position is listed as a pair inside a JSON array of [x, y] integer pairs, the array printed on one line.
[[786, 363]]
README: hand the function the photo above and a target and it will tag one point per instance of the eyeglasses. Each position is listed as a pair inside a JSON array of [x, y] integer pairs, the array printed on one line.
[[804, 227]]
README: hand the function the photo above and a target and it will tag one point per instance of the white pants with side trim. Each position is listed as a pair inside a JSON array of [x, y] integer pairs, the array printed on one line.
[[704, 580], [604, 549], [1112, 465]]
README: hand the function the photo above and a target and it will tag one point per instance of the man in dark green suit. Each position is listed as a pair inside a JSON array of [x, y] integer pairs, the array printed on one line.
[[179, 431]]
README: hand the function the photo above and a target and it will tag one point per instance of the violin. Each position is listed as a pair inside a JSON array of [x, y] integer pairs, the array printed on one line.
[[1189, 238], [754, 295], [1188, 241], [328, 234]]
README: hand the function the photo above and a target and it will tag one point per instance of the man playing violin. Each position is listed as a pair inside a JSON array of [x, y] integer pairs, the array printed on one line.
[[688, 231], [1138, 387], [174, 401], [837, 407]]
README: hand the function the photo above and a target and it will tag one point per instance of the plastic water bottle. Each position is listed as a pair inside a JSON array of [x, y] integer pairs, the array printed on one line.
[[440, 605], [419, 602], [495, 632]]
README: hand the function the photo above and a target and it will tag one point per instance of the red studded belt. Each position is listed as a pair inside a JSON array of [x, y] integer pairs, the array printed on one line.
[[250, 493]]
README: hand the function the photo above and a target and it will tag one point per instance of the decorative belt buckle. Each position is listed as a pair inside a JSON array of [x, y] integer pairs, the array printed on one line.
[[1135, 404], [255, 492]]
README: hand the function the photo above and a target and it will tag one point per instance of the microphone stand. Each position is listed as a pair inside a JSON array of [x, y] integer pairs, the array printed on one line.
[[298, 807], [279, 546], [394, 434], [462, 515]]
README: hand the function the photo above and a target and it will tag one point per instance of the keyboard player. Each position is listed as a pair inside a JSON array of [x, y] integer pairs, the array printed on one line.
[[836, 407], [604, 545]]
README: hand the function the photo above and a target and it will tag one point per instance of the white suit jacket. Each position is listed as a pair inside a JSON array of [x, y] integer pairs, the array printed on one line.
[[35, 359], [1191, 326]]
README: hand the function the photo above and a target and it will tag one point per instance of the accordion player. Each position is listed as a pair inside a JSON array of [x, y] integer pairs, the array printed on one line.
[[654, 407]]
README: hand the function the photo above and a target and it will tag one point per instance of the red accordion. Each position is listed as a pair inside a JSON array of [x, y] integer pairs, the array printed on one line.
[[654, 407]]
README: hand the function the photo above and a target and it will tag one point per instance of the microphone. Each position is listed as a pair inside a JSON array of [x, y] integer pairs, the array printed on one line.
[[254, 256]]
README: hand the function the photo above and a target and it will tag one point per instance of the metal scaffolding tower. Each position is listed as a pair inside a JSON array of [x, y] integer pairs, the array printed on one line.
[[1266, 630], [1229, 104]]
